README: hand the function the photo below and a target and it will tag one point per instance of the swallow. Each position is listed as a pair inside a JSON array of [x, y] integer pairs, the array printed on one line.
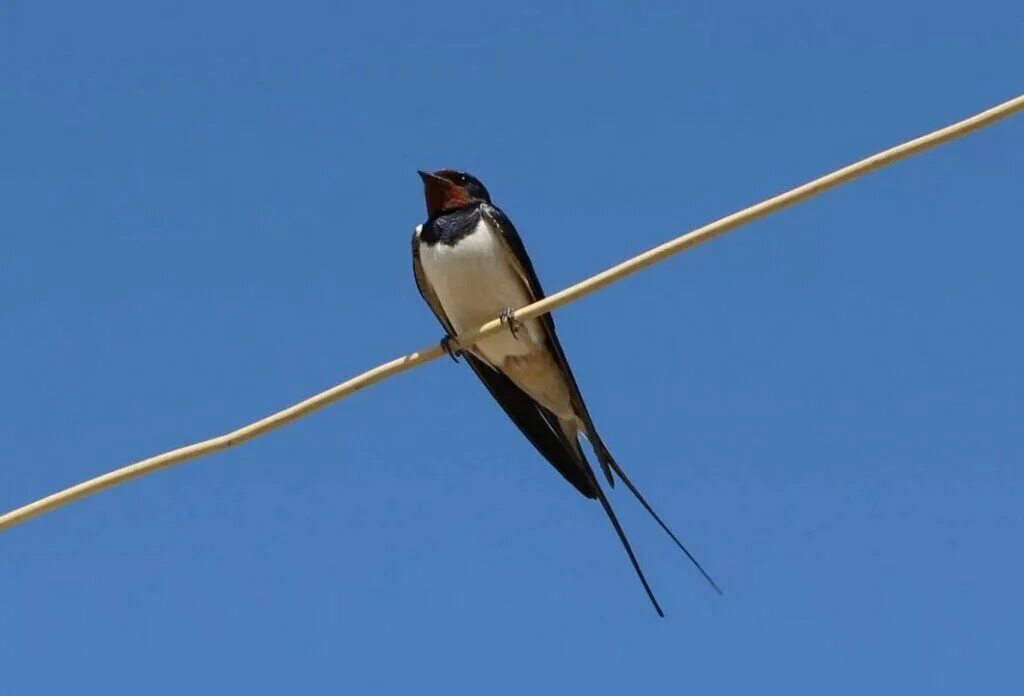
[[471, 266]]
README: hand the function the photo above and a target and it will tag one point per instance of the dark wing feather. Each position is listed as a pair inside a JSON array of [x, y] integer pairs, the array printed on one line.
[[538, 425], [510, 236], [517, 251]]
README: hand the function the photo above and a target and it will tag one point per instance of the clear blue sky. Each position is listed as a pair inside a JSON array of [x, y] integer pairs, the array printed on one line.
[[205, 214]]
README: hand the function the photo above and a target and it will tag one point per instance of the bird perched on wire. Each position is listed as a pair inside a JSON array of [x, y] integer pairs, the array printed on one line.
[[470, 267]]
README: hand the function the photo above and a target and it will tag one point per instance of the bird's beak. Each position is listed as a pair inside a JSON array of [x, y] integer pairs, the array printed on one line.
[[428, 177]]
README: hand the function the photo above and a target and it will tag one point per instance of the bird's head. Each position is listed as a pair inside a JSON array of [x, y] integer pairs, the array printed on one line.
[[448, 189]]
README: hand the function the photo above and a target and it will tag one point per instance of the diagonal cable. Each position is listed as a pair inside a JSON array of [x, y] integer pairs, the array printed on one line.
[[549, 303]]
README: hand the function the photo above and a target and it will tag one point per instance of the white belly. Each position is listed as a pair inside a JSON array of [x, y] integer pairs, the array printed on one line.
[[474, 284]]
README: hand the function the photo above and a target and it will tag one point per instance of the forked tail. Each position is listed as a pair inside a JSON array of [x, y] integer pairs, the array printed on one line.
[[608, 462]]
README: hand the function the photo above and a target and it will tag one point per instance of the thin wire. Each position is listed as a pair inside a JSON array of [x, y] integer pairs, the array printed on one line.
[[551, 302]]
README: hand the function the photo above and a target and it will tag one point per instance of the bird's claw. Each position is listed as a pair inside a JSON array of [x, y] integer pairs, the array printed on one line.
[[508, 318], [447, 347]]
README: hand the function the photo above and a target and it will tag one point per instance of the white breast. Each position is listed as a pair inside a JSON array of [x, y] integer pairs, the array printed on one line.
[[474, 283]]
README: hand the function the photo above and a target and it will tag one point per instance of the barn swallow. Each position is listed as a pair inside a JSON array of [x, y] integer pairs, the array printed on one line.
[[471, 267]]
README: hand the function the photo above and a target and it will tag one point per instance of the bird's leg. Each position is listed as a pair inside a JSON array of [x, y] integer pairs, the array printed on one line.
[[447, 347], [508, 318]]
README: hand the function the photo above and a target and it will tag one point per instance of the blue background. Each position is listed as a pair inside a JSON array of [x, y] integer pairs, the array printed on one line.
[[205, 214]]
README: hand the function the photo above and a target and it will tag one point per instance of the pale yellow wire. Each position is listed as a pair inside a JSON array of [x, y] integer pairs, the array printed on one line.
[[570, 294]]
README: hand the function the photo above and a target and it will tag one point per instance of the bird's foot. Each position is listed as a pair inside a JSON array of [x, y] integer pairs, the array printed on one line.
[[508, 318], [448, 347]]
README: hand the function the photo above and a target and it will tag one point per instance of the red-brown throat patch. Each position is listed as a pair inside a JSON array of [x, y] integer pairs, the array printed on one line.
[[442, 195]]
